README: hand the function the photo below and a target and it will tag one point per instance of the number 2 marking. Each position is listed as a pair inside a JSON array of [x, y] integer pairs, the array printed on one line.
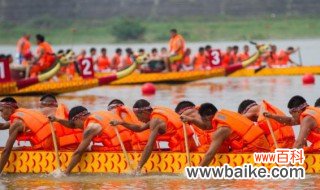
[[86, 70], [2, 74]]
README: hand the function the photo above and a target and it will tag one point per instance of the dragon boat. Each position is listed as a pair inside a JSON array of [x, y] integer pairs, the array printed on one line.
[[127, 76], [115, 162]]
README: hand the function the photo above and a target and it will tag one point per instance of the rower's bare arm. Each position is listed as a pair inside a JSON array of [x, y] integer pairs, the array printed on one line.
[[285, 120], [130, 126], [155, 126], [218, 137], [63, 122], [17, 127], [92, 130], [196, 121], [306, 125], [4, 126]]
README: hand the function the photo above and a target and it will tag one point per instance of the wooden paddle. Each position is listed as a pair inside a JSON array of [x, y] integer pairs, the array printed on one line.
[[55, 146], [123, 148], [253, 43], [186, 143], [270, 128], [256, 70], [300, 57]]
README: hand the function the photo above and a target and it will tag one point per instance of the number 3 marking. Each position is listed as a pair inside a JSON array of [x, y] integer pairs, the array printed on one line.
[[215, 58]]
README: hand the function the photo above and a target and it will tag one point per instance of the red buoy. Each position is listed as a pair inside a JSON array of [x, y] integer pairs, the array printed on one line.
[[308, 79], [148, 89]]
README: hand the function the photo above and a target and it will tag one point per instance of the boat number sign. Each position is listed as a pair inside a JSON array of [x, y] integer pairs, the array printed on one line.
[[4, 71], [86, 66]]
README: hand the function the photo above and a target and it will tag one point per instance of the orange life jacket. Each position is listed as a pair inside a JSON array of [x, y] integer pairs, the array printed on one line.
[[68, 138], [26, 46], [204, 138], [108, 136], [186, 60], [37, 129], [70, 69], [177, 43], [47, 58], [245, 136], [139, 139], [283, 58], [127, 60], [244, 56], [272, 59], [314, 135], [200, 61], [235, 58], [258, 62], [116, 61], [226, 58], [103, 63], [174, 129], [284, 134]]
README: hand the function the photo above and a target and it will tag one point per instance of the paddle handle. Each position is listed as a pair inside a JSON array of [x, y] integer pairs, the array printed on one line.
[[270, 129], [55, 145], [300, 57], [186, 143], [253, 43], [123, 148]]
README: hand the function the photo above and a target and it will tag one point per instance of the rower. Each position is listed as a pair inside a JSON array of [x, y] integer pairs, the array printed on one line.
[[93, 54], [154, 54], [69, 139], [226, 57], [96, 129], [272, 57], [240, 133], [235, 58], [23, 47], [188, 112], [25, 124], [82, 55], [127, 60], [140, 139], [284, 56], [186, 61], [103, 61], [200, 60], [284, 134], [165, 125], [307, 117], [45, 56], [317, 103], [176, 48], [116, 59], [245, 54]]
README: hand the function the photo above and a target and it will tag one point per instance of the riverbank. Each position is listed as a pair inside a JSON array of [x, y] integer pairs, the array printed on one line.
[[97, 32]]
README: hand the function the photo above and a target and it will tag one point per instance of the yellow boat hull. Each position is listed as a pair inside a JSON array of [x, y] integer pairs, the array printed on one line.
[[64, 86], [159, 162], [277, 71]]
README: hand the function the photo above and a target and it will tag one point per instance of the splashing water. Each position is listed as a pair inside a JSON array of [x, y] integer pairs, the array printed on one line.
[[57, 173]]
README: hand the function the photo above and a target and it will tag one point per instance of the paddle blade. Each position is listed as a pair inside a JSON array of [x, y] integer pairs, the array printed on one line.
[[259, 69], [57, 173]]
